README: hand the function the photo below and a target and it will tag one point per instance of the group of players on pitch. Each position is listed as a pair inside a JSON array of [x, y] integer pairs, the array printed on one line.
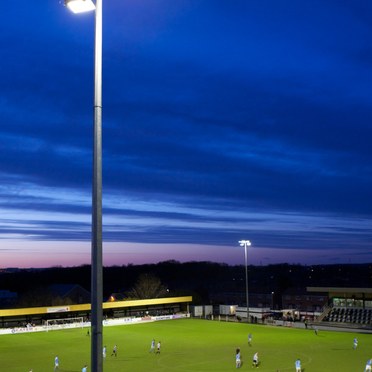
[[255, 360], [155, 348], [298, 368], [114, 353]]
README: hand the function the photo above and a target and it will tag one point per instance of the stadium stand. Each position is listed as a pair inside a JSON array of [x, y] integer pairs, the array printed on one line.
[[130, 308], [349, 315], [351, 307]]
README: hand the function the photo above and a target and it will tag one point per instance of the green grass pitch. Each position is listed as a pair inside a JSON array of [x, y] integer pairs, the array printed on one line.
[[188, 345]]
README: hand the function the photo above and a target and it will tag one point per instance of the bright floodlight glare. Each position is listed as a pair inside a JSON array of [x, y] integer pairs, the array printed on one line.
[[80, 6], [244, 243]]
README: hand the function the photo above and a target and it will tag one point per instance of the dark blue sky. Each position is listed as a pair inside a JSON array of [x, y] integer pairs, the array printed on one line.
[[222, 120]]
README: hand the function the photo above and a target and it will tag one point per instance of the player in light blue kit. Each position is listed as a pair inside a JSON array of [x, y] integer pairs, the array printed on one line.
[[368, 366], [56, 363], [152, 346], [355, 343], [238, 361], [298, 365], [250, 339]]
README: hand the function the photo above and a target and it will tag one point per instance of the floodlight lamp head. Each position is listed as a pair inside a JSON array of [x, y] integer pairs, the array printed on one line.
[[80, 6], [244, 243]]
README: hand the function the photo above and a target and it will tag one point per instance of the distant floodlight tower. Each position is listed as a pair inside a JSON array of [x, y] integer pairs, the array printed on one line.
[[245, 244]]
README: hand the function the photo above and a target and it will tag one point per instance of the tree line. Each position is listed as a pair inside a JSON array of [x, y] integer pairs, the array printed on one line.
[[173, 278]]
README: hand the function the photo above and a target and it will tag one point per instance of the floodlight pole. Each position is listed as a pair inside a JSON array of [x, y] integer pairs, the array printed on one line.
[[245, 244], [80, 6], [97, 271]]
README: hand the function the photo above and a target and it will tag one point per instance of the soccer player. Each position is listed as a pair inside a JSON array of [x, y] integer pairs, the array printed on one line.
[[115, 351], [250, 339], [158, 347], [368, 365], [104, 351], [56, 363], [298, 365], [152, 346], [255, 360], [84, 369], [355, 343], [238, 362]]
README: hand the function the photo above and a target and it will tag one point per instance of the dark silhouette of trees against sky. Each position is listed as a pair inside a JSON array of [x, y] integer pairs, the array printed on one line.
[[201, 280], [42, 297], [147, 286]]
